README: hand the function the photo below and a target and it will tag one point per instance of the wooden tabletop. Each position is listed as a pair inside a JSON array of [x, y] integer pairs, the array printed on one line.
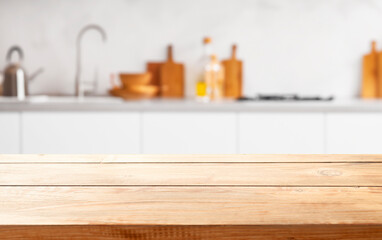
[[321, 191]]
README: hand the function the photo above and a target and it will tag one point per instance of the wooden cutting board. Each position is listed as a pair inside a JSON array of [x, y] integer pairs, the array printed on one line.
[[369, 75], [154, 69], [171, 77], [379, 76], [233, 76]]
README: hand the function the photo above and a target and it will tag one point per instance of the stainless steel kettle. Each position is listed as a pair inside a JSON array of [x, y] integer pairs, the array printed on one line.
[[15, 79]]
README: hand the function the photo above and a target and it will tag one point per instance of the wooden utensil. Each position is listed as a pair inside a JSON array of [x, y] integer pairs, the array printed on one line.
[[370, 76], [171, 77], [233, 76]]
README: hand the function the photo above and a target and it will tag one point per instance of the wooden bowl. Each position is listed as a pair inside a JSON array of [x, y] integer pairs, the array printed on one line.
[[136, 92], [149, 90], [129, 79]]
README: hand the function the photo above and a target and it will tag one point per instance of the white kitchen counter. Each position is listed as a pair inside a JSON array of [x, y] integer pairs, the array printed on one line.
[[42, 103], [110, 125]]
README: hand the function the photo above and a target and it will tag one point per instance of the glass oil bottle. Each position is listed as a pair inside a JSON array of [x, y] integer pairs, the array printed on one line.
[[214, 78], [201, 85]]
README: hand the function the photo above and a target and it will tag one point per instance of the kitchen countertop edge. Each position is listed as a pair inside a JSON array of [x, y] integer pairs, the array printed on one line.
[[110, 104]]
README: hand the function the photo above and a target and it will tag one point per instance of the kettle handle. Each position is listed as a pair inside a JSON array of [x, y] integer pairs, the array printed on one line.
[[15, 49]]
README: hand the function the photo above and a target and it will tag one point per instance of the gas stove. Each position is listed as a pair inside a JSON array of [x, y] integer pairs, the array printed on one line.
[[285, 97]]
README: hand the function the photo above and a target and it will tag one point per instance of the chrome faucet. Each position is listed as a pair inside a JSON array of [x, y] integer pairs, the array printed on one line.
[[81, 86]]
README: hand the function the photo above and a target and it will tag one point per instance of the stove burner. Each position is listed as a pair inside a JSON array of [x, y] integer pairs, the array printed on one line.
[[285, 97]]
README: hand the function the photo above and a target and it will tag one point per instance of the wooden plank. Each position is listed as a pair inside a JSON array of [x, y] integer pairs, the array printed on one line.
[[102, 232], [139, 158], [254, 174], [189, 205]]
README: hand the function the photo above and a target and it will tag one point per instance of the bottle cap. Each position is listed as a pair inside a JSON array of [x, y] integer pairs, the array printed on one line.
[[207, 40]]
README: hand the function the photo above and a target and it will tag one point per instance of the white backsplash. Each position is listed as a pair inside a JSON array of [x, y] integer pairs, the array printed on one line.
[[288, 46]]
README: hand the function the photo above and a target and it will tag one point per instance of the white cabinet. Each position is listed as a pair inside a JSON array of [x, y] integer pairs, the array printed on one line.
[[189, 132], [281, 133], [81, 132], [9, 133], [354, 133]]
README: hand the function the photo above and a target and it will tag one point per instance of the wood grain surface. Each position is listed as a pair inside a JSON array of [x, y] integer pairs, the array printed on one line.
[[190, 205], [102, 232], [289, 197], [190, 174]]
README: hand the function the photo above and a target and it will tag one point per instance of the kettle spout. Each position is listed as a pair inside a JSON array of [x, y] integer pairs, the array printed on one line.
[[35, 74]]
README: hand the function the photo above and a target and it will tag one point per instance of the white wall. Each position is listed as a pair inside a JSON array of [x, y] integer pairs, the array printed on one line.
[[303, 46]]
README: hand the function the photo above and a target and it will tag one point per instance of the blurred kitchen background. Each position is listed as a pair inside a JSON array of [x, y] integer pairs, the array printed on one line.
[[308, 48]]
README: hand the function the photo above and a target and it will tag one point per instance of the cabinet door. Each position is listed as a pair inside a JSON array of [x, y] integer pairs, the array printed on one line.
[[81, 133], [9, 133], [354, 133], [281, 133], [189, 133]]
